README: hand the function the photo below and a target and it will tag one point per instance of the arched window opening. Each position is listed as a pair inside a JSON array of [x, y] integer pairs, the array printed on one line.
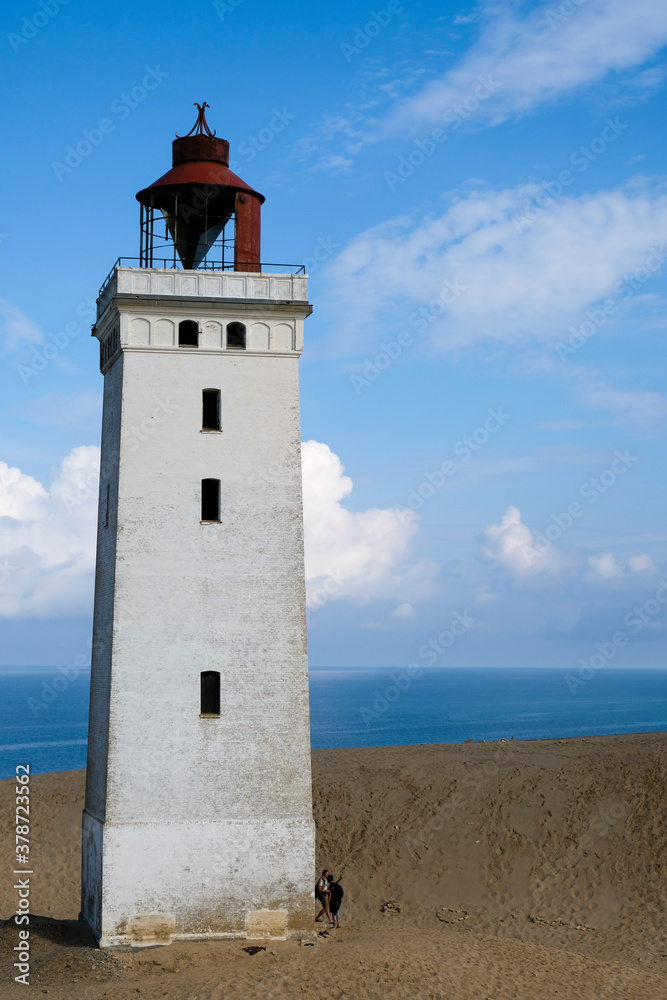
[[210, 693], [188, 333], [210, 499], [236, 336], [211, 410]]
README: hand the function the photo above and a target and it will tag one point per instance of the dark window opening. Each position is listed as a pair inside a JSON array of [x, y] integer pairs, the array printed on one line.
[[236, 336], [210, 692], [106, 518], [210, 499], [210, 410], [188, 333]]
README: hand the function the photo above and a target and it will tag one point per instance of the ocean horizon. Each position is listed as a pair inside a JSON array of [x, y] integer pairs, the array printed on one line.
[[44, 710]]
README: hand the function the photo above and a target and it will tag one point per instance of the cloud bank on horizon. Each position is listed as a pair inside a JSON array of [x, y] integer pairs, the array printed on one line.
[[526, 554], [48, 539]]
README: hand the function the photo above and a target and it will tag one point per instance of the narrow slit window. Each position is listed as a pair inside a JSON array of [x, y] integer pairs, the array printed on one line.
[[188, 333], [210, 692], [210, 499], [211, 410], [106, 516], [236, 336]]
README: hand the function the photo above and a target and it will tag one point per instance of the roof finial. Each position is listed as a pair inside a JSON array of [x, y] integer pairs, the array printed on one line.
[[201, 125]]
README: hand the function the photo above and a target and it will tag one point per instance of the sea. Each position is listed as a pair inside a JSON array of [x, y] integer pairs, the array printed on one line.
[[44, 710]]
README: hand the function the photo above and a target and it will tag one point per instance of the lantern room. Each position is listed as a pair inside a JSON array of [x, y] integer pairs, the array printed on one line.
[[200, 214]]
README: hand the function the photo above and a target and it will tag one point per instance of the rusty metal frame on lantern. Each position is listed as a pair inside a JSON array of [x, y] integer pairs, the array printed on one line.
[[151, 244]]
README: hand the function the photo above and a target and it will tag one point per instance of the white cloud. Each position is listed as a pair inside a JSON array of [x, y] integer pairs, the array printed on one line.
[[538, 58], [21, 497], [47, 538], [640, 407], [332, 161], [605, 566], [642, 564], [16, 328], [360, 554], [475, 275], [404, 612], [483, 595], [526, 554], [512, 544]]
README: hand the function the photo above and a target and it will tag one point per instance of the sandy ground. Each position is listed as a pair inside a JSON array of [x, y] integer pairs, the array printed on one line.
[[513, 871]]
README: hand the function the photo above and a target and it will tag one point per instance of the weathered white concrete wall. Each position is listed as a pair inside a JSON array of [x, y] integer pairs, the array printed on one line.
[[204, 285], [199, 826]]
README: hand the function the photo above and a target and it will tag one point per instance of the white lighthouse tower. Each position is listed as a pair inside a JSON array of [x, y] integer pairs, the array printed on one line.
[[198, 818]]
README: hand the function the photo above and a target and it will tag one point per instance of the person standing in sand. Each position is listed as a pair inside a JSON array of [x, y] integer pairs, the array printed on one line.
[[336, 894], [322, 895]]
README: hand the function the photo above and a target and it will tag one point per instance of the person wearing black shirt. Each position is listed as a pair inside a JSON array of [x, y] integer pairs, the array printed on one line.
[[335, 898]]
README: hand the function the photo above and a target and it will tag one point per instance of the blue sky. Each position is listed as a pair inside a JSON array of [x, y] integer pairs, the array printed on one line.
[[479, 194]]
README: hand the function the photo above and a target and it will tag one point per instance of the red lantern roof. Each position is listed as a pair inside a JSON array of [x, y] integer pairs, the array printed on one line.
[[199, 158]]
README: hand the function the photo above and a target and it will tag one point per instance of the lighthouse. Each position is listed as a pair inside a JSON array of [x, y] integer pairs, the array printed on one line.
[[198, 814]]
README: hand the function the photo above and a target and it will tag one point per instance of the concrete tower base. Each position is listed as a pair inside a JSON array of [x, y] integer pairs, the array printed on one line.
[[234, 880]]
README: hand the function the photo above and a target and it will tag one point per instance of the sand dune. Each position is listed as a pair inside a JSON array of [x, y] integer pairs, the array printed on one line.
[[488, 870]]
